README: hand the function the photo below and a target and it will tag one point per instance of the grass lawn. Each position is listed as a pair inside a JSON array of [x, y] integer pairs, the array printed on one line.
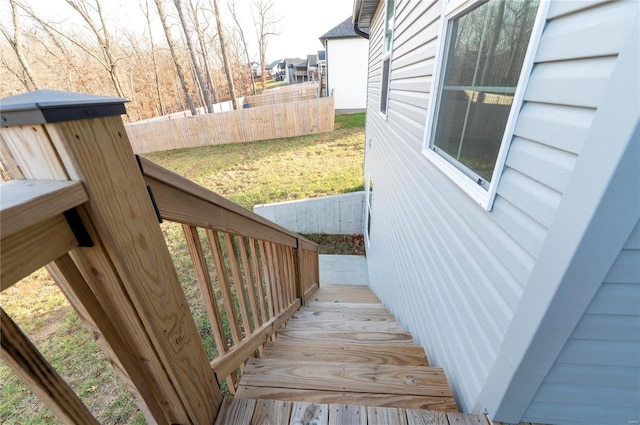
[[247, 173]]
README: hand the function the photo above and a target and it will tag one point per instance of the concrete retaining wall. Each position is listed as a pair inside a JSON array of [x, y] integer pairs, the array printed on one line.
[[332, 215]]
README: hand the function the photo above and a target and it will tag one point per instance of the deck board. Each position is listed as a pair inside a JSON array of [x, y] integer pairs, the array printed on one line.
[[364, 399], [421, 417], [271, 412], [236, 411], [346, 353], [386, 379], [339, 325], [309, 414], [352, 337], [341, 414], [386, 416], [344, 315]]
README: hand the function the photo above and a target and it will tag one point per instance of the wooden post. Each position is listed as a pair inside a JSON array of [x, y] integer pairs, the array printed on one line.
[[299, 270], [129, 270]]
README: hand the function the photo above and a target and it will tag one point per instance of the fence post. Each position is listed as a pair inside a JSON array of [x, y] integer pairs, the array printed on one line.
[[129, 271]]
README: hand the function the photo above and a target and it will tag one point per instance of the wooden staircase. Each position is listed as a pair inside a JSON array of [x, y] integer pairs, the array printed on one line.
[[343, 359]]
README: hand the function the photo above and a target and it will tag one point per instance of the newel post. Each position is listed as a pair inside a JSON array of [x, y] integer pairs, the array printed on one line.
[[125, 286]]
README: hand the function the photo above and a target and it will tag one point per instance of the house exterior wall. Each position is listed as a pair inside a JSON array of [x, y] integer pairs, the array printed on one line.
[[453, 273], [347, 72], [595, 378]]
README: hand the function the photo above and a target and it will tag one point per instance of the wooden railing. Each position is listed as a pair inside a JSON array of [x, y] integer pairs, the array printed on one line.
[[81, 205], [262, 271]]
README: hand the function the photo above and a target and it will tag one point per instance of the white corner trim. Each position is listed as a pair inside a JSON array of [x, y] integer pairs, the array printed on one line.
[[482, 196], [599, 209]]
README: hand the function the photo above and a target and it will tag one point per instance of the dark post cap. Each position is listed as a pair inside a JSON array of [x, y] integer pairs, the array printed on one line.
[[48, 106]]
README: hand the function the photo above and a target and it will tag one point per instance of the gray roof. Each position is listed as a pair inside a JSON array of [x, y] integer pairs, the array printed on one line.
[[343, 30], [312, 60], [321, 55]]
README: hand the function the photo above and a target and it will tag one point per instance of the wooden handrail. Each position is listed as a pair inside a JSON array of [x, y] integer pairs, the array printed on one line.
[[34, 229], [184, 201]]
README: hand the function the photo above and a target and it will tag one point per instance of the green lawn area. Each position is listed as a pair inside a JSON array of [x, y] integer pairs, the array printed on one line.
[[247, 173]]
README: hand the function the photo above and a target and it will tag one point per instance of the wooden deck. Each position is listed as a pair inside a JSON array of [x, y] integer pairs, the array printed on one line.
[[343, 359], [237, 411]]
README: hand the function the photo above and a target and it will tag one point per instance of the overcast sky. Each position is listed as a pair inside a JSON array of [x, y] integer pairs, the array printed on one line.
[[303, 21]]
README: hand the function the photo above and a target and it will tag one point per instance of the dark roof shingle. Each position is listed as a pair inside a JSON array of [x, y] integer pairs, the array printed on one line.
[[342, 30]]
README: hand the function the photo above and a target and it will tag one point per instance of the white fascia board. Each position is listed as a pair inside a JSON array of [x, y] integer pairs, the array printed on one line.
[[599, 209]]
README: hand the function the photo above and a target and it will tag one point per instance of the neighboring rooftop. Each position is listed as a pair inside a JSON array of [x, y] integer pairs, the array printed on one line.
[[342, 30]]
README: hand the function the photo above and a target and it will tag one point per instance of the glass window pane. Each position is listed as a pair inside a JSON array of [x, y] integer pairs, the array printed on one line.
[[486, 49], [388, 25], [384, 90]]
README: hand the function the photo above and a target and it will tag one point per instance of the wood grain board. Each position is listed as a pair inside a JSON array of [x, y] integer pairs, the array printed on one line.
[[362, 316], [353, 337], [309, 414], [364, 399], [338, 325], [347, 353], [237, 411], [271, 412], [376, 379]]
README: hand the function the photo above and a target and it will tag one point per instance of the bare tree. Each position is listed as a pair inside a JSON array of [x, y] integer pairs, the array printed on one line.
[[234, 15], [203, 48], [223, 50], [16, 44], [103, 37], [172, 48], [194, 59], [265, 22], [147, 15]]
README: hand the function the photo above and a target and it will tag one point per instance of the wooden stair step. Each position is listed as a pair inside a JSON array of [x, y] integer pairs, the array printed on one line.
[[345, 305], [345, 296], [446, 404], [338, 309], [340, 325], [353, 337], [345, 315], [378, 379], [346, 353]]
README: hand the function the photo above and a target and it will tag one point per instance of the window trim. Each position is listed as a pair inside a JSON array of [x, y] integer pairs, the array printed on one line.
[[388, 55], [453, 10]]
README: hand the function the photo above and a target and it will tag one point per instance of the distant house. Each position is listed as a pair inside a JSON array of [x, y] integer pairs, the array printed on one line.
[[291, 64], [346, 65], [503, 146], [272, 68]]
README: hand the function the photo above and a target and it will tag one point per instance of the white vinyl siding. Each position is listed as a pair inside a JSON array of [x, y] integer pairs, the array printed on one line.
[[452, 272], [597, 374]]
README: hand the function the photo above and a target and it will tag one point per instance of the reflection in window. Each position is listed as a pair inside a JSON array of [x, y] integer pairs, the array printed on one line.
[[484, 57]]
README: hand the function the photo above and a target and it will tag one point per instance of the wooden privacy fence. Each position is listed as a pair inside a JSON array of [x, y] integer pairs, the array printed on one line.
[[291, 93], [246, 125], [81, 204]]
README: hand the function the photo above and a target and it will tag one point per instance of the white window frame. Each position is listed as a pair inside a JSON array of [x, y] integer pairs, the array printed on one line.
[[387, 56], [485, 197]]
